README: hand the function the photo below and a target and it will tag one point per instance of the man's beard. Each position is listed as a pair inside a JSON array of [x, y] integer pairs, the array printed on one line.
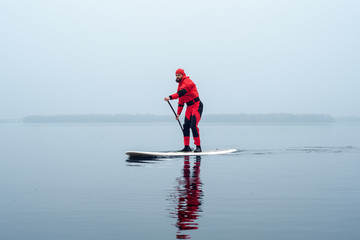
[[178, 80]]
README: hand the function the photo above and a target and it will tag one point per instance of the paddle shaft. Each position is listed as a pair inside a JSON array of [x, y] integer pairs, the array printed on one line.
[[182, 129]]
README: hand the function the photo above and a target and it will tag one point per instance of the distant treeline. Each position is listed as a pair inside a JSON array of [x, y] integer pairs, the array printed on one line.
[[95, 118], [270, 118], [209, 118]]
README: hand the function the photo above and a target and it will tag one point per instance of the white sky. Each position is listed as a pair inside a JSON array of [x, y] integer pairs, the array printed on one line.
[[111, 56]]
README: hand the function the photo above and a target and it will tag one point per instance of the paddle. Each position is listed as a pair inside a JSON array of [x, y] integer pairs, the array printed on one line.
[[182, 129]]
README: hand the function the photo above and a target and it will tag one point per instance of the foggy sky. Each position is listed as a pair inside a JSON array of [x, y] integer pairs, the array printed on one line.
[[111, 56]]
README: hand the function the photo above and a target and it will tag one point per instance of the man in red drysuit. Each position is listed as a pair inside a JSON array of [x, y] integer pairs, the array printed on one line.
[[187, 93]]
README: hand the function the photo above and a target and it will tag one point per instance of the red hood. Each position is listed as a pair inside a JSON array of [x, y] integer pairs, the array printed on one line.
[[183, 78]]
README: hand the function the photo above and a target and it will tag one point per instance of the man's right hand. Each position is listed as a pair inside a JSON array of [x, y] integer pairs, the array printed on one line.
[[177, 117]]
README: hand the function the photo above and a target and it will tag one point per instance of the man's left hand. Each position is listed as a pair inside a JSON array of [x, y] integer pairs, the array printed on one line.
[[167, 99]]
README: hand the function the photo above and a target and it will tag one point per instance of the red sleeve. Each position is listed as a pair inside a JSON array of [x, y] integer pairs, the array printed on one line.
[[174, 96], [179, 94]]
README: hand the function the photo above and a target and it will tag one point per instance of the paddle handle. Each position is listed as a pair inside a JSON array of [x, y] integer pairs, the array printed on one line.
[[182, 129]]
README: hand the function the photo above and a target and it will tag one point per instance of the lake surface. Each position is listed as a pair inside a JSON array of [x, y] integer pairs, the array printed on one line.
[[73, 181]]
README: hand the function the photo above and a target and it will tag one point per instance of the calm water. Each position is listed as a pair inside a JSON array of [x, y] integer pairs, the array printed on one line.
[[74, 182]]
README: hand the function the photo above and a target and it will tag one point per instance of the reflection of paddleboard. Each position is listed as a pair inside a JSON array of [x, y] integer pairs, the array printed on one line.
[[139, 154]]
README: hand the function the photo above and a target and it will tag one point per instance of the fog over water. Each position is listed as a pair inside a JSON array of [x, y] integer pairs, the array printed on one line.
[[115, 57]]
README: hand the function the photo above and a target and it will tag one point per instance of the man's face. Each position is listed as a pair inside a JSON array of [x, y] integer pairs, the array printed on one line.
[[178, 77]]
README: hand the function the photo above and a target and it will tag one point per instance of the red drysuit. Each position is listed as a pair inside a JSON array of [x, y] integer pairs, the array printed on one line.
[[187, 94]]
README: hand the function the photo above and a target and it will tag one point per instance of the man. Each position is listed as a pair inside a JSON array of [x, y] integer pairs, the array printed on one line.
[[187, 93]]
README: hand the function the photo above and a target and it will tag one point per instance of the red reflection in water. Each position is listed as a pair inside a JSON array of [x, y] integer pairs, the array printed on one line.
[[188, 198]]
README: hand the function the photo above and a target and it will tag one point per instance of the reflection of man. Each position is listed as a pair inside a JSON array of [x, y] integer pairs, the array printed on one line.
[[187, 93], [189, 198]]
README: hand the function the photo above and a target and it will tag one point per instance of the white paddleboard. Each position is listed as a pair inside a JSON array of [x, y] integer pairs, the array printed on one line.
[[140, 154]]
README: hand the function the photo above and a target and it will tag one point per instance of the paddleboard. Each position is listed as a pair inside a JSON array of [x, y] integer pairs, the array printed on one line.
[[140, 154]]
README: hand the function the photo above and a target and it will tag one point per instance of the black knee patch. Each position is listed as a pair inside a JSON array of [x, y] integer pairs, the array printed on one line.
[[193, 126], [186, 127]]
